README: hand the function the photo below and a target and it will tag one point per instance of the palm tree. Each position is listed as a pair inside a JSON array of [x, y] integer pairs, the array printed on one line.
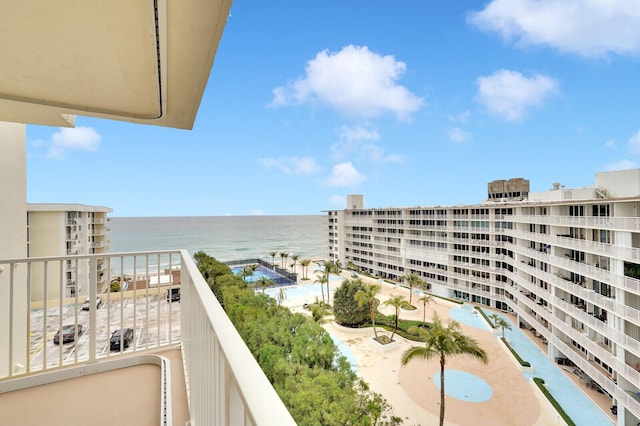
[[500, 322], [295, 258], [367, 297], [282, 256], [444, 341], [319, 311], [426, 298], [264, 282], [284, 259], [251, 269], [305, 265], [321, 280], [331, 268], [273, 257], [413, 280], [397, 301], [281, 296]]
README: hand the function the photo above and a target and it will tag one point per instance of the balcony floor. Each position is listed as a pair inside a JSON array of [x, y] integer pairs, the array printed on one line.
[[127, 396]]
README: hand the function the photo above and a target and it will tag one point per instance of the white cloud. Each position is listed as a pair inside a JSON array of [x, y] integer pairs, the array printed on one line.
[[634, 143], [344, 174], [292, 165], [463, 117], [589, 28], [79, 138], [621, 165], [338, 200], [509, 94], [458, 135], [256, 212], [355, 81], [354, 140], [610, 143]]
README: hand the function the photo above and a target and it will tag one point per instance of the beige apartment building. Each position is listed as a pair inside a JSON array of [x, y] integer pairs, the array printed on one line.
[[67, 230], [565, 262]]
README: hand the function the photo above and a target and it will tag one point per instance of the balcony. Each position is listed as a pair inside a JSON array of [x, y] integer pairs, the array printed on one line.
[[185, 363]]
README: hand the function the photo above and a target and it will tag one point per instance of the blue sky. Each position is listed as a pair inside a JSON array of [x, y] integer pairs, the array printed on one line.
[[406, 102]]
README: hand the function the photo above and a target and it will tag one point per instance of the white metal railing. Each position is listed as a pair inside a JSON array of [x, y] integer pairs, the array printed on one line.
[[225, 385]]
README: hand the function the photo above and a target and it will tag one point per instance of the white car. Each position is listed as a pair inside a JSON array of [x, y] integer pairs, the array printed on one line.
[[87, 303]]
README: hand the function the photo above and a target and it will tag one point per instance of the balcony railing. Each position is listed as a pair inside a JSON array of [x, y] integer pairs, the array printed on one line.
[[225, 385]]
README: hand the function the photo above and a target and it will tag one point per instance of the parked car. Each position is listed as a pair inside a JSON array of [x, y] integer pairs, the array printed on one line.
[[87, 303], [127, 337], [173, 295], [68, 333], [354, 275]]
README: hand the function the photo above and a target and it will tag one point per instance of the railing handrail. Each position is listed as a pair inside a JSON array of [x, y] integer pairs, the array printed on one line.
[[259, 398]]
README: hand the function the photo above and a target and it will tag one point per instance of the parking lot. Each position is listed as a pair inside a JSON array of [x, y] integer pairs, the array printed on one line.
[[153, 319]]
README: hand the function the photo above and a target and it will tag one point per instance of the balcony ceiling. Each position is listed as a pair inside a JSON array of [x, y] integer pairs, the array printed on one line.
[[140, 61]]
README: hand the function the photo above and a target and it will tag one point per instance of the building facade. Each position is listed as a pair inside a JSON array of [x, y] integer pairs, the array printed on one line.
[[67, 230], [566, 262]]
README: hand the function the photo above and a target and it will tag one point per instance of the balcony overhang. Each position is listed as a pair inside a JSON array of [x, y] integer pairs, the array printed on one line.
[[140, 61]]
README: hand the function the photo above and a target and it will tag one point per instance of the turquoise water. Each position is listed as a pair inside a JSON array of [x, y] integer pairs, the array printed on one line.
[[464, 386], [576, 404], [346, 352]]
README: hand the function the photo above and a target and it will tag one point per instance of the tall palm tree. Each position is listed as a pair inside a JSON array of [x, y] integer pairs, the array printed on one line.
[[321, 280], [273, 257], [264, 282], [295, 258], [305, 265], [367, 297], [281, 296], [331, 268], [282, 257], [443, 341], [412, 281], [426, 298], [252, 268], [397, 301], [498, 321]]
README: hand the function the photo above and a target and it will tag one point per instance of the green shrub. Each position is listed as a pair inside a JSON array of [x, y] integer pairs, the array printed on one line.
[[346, 310], [515, 354], [486, 318], [540, 383]]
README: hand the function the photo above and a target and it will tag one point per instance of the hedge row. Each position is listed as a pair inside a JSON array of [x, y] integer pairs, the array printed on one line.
[[540, 383], [515, 354]]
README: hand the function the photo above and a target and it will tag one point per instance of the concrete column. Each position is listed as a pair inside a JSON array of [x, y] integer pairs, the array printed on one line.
[[13, 237]]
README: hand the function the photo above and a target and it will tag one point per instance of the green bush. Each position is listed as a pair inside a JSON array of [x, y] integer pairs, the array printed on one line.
[[540, 383], [346, 310], [486, 318], [515, 354]]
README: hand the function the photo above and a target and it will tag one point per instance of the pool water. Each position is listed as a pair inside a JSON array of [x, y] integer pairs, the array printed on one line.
[[464, 386]]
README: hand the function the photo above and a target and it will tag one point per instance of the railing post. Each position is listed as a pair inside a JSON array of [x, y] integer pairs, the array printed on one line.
[[93, 307]]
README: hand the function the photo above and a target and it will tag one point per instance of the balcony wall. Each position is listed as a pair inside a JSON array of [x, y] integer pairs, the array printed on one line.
[[225, 385]]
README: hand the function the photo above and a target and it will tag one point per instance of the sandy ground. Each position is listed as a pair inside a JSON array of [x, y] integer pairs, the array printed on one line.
[[411, 389]]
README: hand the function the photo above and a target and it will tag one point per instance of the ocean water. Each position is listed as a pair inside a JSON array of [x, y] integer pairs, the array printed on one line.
[[225, 238]]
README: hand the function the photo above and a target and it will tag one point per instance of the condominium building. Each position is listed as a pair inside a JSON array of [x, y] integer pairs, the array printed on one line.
[[67, 229], [565, 262]]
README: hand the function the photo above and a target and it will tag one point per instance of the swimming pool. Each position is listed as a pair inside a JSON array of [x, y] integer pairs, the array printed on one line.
[[261, 271], [346, 352], [575, 402]]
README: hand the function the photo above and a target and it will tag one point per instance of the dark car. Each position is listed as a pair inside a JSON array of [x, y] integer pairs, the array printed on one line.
[[173, 295], [124, 334], [68, 333]]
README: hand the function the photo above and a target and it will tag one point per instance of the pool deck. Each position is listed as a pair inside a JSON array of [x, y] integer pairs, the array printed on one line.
[[411, 389]]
